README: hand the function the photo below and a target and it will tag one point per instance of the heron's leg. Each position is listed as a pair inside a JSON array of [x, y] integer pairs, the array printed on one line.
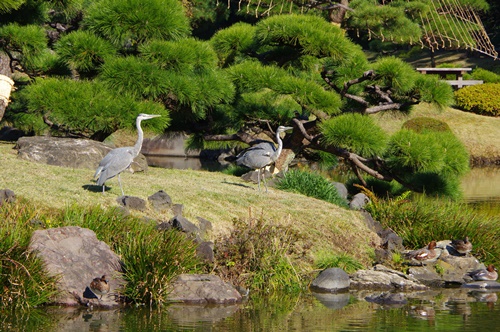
[[264, 178], [120, 182], [103, 188], [258, 177]]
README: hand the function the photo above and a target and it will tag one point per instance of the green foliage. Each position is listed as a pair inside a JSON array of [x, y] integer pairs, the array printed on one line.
[[185, 56], [23, 281], [326, 259], [312, 185], [25, 42], [387, 22], [310, 35], [431, 89], [84, 107], [129, 23], [233, 42], [395, 73], [431, 162], [9, 5], [423, 124], [415, 152], [258, 254], [253, 77], [83, 51], [354, 132], [142, 79], [483, 99], [485, 75], [422, 220]]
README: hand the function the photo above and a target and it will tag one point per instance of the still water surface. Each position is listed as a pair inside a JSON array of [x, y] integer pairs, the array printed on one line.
[[438, 310], [443, 310]]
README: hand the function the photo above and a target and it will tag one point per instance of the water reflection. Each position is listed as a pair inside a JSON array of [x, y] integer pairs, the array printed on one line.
[[482, 184], [435, 310]]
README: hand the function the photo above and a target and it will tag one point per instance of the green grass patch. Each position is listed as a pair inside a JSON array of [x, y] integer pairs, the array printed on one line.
[[327, 259], [312, 185]]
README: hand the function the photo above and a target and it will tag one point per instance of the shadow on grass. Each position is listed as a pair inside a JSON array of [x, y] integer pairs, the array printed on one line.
[[95, 188]]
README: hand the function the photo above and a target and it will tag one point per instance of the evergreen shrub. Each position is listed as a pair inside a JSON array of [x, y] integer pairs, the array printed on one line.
[[482, 99]]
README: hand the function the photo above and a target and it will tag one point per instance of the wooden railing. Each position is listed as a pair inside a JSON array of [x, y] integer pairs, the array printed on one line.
[[459, 82]]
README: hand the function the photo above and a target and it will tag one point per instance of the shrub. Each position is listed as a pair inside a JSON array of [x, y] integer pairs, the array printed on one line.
[[483, 99], [485, 75], [421, 124], [258, 254], [312, 185]]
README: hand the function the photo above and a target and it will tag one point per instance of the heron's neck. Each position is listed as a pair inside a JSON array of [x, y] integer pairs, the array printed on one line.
[[140, 137], [277, 153]]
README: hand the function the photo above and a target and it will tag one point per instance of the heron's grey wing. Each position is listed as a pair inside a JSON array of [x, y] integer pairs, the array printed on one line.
[[254, 157], [115, 162]]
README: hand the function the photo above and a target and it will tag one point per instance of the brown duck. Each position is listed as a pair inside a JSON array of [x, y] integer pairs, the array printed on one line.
[[488, 274], [425, 255], [100, 286], [462, 246]]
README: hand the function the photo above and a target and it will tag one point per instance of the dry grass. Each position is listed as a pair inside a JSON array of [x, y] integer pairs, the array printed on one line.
[[479, 134], [217, 197]]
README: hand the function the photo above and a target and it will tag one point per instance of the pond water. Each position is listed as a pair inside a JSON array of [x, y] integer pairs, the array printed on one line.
[[443, 310]]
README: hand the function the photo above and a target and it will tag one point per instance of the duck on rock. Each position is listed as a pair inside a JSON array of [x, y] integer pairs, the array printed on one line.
[[425, 255], [488, 274]]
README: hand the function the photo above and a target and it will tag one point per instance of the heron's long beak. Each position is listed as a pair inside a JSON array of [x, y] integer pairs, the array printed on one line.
[[288, 128]]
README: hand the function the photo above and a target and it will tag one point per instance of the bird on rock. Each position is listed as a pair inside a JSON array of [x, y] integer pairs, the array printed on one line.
[[488, 274], [463, 247], [100, 286], [425, 255]]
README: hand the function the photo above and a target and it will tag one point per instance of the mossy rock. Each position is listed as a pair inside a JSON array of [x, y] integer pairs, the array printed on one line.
[[421, 124]]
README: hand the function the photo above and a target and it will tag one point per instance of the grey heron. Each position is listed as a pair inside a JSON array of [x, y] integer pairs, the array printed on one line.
[[261, 155], [119, 159]]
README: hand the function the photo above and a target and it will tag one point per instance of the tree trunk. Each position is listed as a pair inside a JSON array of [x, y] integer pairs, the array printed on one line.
[[337, 15]]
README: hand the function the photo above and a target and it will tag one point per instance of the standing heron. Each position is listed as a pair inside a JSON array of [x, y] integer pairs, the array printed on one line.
[[119, 159], [261, 155]]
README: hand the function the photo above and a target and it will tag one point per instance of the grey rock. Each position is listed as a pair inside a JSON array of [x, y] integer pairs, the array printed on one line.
[[331, 280], [164, 226], [160, 200], [204, 225], [201, 289], [252, 176], [7, 196], [383, 278], [341, 189], [205, 251], [177, 209], [76, 257], [68, 152], [359, 201], [132, 202], [184, 225]]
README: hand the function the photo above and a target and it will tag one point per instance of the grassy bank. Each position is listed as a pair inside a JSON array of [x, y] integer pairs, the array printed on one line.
[[60, 196]]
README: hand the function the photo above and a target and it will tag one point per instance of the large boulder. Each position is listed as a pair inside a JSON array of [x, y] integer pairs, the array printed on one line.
[[383, 278], [68, 152], [202, 289], [331, 280], [75, 256]]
